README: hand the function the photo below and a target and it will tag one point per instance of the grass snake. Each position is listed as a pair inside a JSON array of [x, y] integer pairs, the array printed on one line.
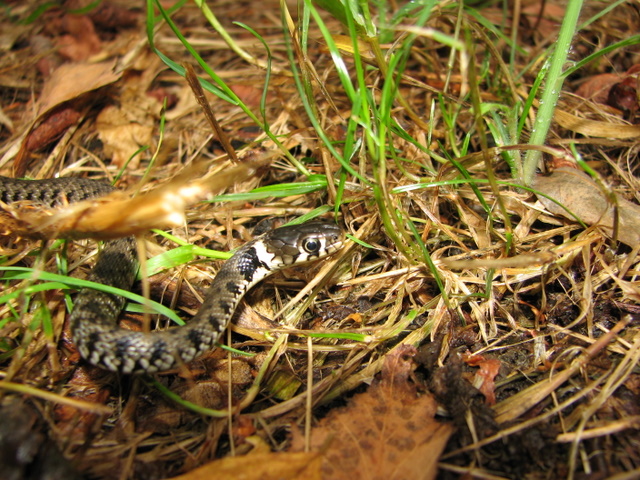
[[94, 318]]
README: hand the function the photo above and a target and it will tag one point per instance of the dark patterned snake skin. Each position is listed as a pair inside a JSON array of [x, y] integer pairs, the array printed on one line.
[[94, 317]]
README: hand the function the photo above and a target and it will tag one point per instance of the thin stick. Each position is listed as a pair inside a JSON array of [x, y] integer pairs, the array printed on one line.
[[197, 90]]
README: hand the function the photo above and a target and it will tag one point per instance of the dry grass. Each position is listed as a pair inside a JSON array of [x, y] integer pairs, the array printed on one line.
[[525, 322]]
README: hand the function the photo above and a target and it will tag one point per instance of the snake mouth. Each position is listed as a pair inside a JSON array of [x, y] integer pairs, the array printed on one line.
[[333, 247]]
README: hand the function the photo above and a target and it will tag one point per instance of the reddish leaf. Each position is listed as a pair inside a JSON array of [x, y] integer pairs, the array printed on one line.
[[52, 128], [489, 369]]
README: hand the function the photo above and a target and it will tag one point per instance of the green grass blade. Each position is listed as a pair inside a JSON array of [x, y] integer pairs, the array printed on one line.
[[551, 92], [23, 273]]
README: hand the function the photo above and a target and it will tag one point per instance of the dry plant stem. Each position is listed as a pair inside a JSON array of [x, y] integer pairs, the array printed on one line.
[[610, 429], [621, 347], [389, 274], [469, 472], [53, 398], [619, 131], [519, 403], [515, 32], [617, 274], [52, 344], [621, 373], [141, 249], [381, 63], [309, 403], [232, 443], [482, 136], [198, 92], [118, 215]]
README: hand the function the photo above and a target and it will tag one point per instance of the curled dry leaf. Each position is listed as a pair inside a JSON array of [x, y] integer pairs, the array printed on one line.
[[489, 369], [593, 128], [579, 194], [118, 214], [624, 96], [51, 128], [68, 82], [616, 90]]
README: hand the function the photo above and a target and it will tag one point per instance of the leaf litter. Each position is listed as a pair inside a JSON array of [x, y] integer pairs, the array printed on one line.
[[526, 368], [387, 432]]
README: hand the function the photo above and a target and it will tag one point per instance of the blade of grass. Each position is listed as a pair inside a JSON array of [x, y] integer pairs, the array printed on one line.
[[60, 282], [318, 182], [288, 26], [551, 92]]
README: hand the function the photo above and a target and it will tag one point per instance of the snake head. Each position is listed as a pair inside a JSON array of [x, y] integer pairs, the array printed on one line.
[[302, 243]]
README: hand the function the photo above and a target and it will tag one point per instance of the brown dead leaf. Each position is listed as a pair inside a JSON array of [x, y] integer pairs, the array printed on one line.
[[111, 16], [78, 424], [615, 90], [545, 20], [578, 193], [121, 136], [261, 466], [250, 95], [72, 80], [542, 18], [68, 82], [126, 127], [161, 415], [388, 432]]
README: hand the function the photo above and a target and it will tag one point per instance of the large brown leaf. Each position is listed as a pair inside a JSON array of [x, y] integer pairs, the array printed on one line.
[[579, 196]]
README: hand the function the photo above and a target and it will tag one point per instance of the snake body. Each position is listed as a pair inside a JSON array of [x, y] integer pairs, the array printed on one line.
[[93, 320]]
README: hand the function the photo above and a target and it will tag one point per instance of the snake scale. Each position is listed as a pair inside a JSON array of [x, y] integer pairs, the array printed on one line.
[[94, 318]]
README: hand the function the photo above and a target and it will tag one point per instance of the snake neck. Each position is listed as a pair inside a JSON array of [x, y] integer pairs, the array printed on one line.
[[248, 266]]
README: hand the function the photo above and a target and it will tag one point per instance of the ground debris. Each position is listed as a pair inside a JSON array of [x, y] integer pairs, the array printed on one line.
[[387, 432]]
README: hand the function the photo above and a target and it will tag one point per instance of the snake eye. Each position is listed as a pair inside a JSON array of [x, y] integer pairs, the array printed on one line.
[[311, 245]]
